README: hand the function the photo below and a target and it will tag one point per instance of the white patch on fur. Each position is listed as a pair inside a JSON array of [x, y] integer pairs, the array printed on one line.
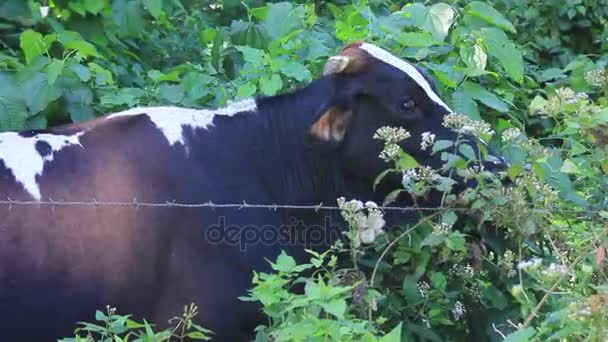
[[406, 67], [20, 156], [172, 120]]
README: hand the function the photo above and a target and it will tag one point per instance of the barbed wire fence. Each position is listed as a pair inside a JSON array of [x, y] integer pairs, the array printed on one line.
[[244, 205]]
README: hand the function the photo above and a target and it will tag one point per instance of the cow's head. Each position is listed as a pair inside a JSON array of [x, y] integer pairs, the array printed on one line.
[[375, 89]]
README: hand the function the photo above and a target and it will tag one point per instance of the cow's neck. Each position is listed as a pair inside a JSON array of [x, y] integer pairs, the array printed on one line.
[[296, 171]]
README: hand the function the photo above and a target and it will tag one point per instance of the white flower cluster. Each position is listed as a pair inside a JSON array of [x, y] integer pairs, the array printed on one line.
[[597, 78], [465, 125], [427, 141], [459, 310], [460, 271], [442, 229], [423, 288], [366, 218], [510, 134], [579, 311], [422, 173], [568, 96], [390, 152], [391, 135], [471, 172], [555, 270], [529, 264]]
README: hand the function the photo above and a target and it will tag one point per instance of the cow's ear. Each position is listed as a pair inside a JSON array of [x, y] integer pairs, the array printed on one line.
[[331, 126], [352, 59]]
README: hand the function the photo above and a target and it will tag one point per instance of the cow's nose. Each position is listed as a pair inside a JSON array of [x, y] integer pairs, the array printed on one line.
[[496, 164]]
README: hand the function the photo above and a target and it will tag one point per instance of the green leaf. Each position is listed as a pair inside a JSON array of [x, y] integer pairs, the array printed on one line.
[[502, 48], [467, 151], [336, 307], [393, 336], [13, 109], [441, 145], [439, 19], [439, 280], [32, 44], [129, 18], [296, 70], [487, 13], [158, 76], [86, 49], [432, 240], [569, 167], [253, 56], [54, 70], [416, 39], [474, 57], [522, 335], [486, 97], [155, 7], [284, 263], [406, 161], [381, 176], [78, 103], [83, 73], [246, 90], [95, 6], [172, 93], [271, 85], [282, 18], [464, 103], [455, 242], [40, 92]]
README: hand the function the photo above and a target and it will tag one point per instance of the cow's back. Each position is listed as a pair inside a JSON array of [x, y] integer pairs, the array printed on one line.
[[58, 263]]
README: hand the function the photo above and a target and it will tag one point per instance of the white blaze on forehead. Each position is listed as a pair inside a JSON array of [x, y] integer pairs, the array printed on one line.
[[20, 156], [406, 67], [172, 120]]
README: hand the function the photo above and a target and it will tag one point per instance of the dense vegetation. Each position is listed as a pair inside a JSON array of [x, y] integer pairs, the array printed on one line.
[[526, 263]]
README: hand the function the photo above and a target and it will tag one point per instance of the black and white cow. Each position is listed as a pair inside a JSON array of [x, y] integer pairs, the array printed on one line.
[[59, 264]]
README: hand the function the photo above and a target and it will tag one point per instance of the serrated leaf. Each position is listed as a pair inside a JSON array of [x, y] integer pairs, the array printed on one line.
[[284, 263], [246, 90], [271, 85], [296, 70], [502, 48], [490, 15]]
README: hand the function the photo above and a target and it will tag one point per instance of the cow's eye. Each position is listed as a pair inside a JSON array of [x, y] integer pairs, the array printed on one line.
[[408, 104]]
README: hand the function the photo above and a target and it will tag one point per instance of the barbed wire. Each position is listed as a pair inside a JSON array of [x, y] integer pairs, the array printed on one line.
[[244, 205]]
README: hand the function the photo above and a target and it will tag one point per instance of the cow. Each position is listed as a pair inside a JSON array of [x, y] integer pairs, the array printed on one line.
[[58, 264]]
